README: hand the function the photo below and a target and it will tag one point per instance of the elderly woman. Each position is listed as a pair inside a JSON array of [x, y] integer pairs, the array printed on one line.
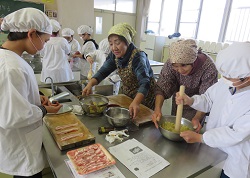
[[228, 102], [133, 68], [99, 56], [189, 67]]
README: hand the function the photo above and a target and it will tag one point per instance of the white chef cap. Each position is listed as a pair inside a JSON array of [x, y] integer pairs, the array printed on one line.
[[104, 46], [67, 32], [84, 29], [234, 61], [25, 19], [55, 25]]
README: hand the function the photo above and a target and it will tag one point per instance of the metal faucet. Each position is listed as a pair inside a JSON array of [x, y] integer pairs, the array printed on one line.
[[52, 85]]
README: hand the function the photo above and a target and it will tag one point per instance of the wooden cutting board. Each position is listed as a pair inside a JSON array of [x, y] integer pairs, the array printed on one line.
[[145, 114], [56, 123]]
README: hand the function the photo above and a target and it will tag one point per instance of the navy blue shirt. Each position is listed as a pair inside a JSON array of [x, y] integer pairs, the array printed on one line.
[[140, 67]]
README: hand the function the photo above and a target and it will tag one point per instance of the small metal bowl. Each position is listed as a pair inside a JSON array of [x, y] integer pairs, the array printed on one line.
[[94, 104], [172, 135], [117, 116]]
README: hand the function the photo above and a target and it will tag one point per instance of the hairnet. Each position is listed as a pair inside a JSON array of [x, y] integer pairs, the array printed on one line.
[[183, 52], [234, 61], [125, 30], [84, 29], [25, 19], [55, 25], [104, 46], [67, 32]]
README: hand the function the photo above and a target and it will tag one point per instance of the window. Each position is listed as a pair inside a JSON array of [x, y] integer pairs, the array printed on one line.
[[211, 20], [128, 6], [208, 20], [104, 4], [98, 25], [239, 22], [189, 18], [169, 16], [154, 16]]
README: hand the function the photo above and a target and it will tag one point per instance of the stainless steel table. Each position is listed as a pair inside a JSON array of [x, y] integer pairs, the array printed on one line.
[[186, 160]]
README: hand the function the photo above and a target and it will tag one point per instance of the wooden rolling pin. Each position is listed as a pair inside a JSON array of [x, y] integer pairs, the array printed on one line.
[[89, 76], [179, 111]]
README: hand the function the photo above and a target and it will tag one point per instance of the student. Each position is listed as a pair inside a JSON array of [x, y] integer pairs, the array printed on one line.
[[55, 57], [89, 45], [228, 102], [133, 68], [23, 108], [189, 67], [68, 34]]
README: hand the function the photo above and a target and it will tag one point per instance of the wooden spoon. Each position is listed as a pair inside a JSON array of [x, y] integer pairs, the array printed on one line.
[[179, 111]]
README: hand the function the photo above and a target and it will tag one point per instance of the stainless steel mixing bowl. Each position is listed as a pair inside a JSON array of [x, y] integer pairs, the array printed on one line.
[[172, 135], [117, 116], [94, 104]]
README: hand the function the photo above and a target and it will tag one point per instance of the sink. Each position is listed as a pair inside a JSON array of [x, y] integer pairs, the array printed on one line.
[[47, 92], [105, 88], [75, 89]]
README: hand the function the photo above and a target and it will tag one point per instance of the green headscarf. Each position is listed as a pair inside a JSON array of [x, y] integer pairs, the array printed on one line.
[[125, 30]]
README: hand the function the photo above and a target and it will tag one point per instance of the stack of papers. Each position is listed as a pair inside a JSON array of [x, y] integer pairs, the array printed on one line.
[[139, 159]]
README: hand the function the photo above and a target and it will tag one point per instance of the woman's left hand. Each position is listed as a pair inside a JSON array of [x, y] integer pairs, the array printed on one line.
[[134, 109], [191, 136], [44, 100]]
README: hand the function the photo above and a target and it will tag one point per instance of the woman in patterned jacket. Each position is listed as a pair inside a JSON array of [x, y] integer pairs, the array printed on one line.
[[187, 66]]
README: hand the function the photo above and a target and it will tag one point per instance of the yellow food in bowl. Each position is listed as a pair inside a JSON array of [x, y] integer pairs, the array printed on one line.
[[170, 126], [96, 107]]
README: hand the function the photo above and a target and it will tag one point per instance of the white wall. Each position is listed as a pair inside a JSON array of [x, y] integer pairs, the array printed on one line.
[[73, 13]]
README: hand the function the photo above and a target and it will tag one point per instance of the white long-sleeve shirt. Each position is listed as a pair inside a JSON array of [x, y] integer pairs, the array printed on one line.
[[84, 65], [228, 126], [55, 61], [74, 46], [20, 117]]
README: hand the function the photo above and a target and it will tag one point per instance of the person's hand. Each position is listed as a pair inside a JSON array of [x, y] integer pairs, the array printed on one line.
[[191, 136], [134, 109], [87, 90], [156, 117], [53, 108], [90, 59], [77, 54], [185, 99], [44, 100], [196, 125]]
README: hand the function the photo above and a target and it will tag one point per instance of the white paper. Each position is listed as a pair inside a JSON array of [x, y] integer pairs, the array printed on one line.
[[108, 172], [139, 159]]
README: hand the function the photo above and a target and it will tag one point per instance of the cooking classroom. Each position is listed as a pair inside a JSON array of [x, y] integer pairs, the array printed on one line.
[[125, 89]]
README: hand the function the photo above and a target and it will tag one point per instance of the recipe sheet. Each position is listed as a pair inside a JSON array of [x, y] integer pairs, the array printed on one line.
[[108, 172], [138, 158]]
